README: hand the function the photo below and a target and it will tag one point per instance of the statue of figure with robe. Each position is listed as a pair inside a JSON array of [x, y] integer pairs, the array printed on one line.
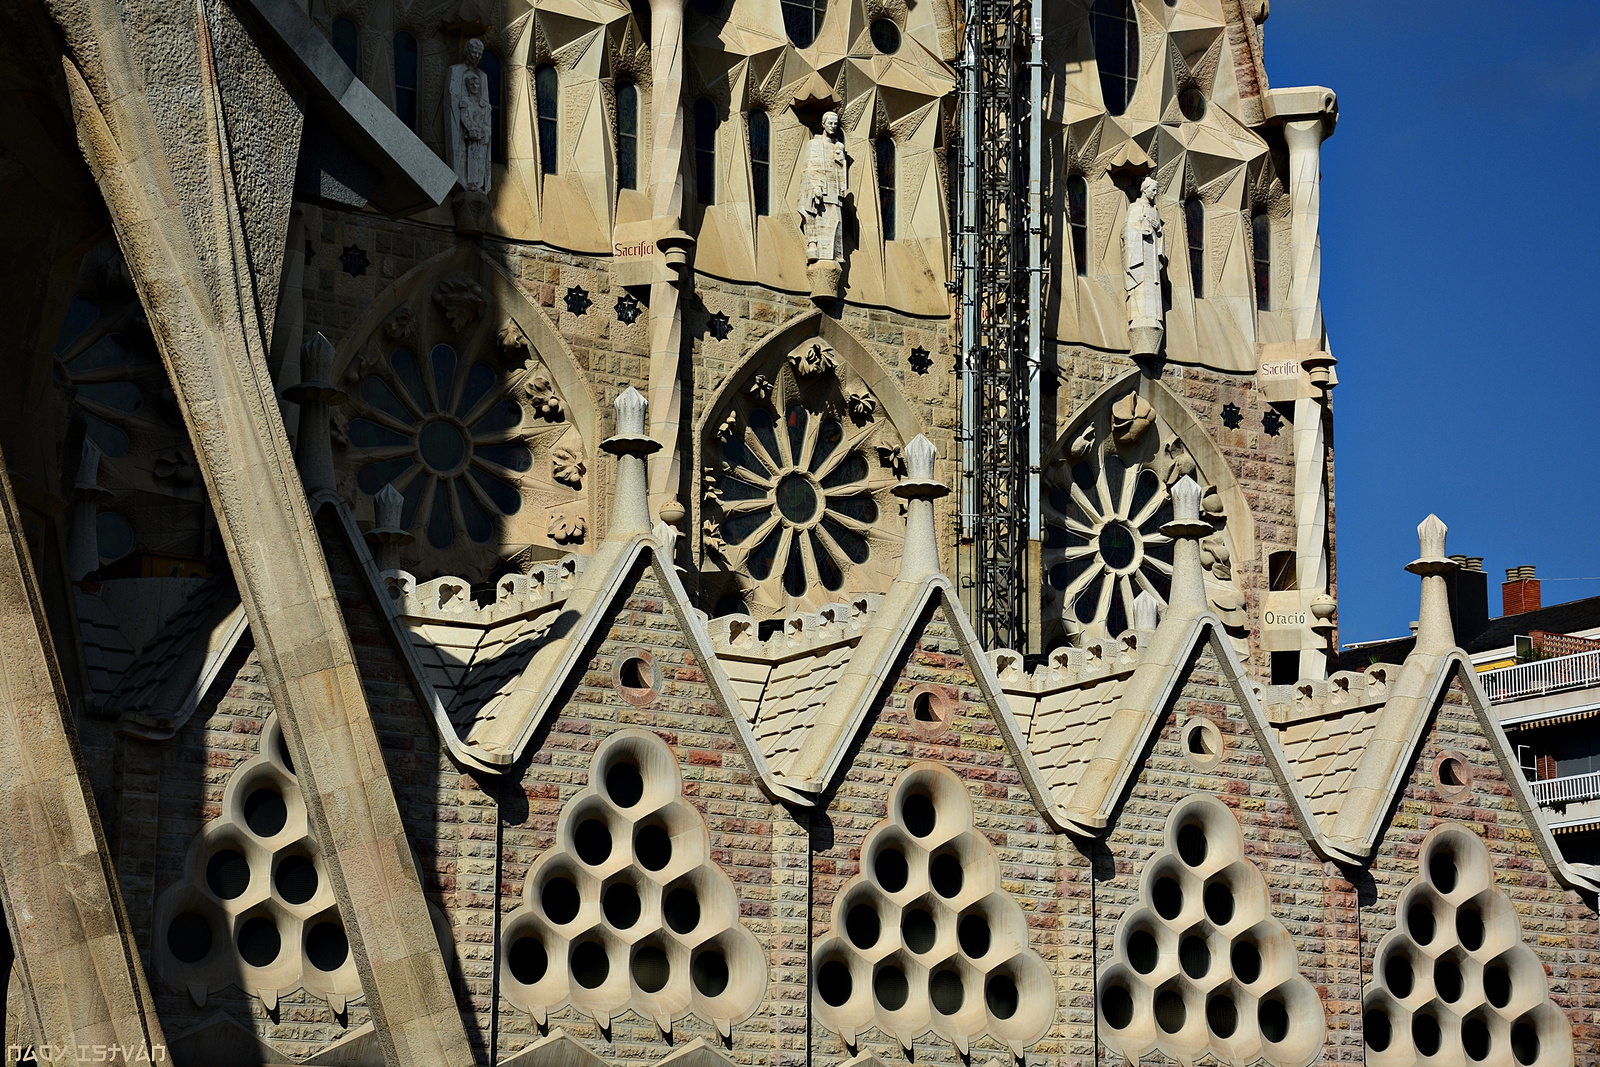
[[469, 119], [1144, 249], [822, 197]]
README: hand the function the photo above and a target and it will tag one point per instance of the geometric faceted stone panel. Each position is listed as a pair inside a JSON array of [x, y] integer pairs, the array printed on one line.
[[628, 910], [1454, 982], [255, 907], [924, 938], [1200, 967]]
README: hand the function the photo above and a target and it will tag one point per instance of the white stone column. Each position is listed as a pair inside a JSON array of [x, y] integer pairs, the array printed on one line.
[[1435, 632], [919, 489], [1186, 529], [665, 389], [630, 510]]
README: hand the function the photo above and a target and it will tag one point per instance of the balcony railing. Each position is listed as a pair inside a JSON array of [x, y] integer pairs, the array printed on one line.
[[1580, 670], [1566, 790]]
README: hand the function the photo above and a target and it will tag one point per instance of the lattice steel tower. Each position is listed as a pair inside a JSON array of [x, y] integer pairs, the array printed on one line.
[[999, 268]]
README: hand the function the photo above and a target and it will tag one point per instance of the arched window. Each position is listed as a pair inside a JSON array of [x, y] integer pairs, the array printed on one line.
[[761, 161], [802, 19], [1115, 29], [405, 78], [1194, 221], [347, 44], [1261, 238], [1282, 572], [1078, 217], [627, 136], [705, 151], [547, 93], [490, 65], [883, 149]]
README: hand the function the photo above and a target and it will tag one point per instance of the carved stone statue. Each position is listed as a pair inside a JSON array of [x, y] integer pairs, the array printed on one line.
[[469, 119], [1144, 249], [822, 197]]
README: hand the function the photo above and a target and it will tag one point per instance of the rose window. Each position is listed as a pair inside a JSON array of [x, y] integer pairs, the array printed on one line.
[[446, 435], [799, 503], [1103, 541]]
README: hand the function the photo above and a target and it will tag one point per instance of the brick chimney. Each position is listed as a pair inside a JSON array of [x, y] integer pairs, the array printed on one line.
[[1520, 591]]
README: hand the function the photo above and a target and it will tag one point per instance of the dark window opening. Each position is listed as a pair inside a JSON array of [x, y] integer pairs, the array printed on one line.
[[490, 65], [1078, 216], [705, 151], [761, 161], [802, 20], [546, 93], [1194, 221], [1261, 238], [1115, 29], [347, 44], [627, 136], [1285, 668], [1282, 574], [405, 78], [884, 151]]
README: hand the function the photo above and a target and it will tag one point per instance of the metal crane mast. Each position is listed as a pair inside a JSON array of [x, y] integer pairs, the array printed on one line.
[[998, 261]]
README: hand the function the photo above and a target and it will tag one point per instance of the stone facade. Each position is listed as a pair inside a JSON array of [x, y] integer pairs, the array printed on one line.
[[514, 610]]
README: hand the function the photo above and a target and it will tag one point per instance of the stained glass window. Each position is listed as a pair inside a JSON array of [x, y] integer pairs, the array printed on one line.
[[1194, 222], [883, 149], [627, 136], [1115, 29], [1078, 215], [1261, 238], [802, 20], [705, 151], [547, 98], [761, 161]]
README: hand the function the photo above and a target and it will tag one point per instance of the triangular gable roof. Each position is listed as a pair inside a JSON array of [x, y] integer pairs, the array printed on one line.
[[526, 699]]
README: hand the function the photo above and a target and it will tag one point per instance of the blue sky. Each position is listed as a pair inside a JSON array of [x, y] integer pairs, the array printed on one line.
[[1458, 286]]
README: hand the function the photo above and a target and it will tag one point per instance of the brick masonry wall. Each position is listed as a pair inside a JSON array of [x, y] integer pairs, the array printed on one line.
[[1557, 923], [1045, 873], [1311, 897]]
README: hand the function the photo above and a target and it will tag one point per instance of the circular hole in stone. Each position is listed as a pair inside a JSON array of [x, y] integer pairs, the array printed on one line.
[[1143, 953], [1171, 1013], [1442, 871], [264, 812], [1167, 896], [1524, 1043], [1246, 960], [1397, 975], [710, 972], [327, 946], [296, 879], [228, 874], [1222, 1015], [1117, 546], [651, 969], [1419, 921], [862, 926], [890, 987], [635, 674], [189, 938], [1001, 995], [973, 934], [946, 992], [1117, 1005], [1219, 904], [1469, 928], [1192, 102], [918, 930], [1273, 1018], [1198, 741], [283, 752], [1475, 1038], [885, 36], [797, 499], [624, 784], [1447, 980], [681, 909], [652, 846], [1453, 774], [528, 960], [890, 869], [1497, 985], [1192, 845], [593, 841], [442, 446], [923, 710], [621, 905], [1194, 955], [259, 942], [946, 875], [560, 900], [1425, 1034], [1377, 1028], [919, 814], [590, 964], [834, 983]]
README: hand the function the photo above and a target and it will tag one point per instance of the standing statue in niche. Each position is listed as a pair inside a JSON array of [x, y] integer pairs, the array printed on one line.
[[822, 199], [469, 125], [1144, 249]]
